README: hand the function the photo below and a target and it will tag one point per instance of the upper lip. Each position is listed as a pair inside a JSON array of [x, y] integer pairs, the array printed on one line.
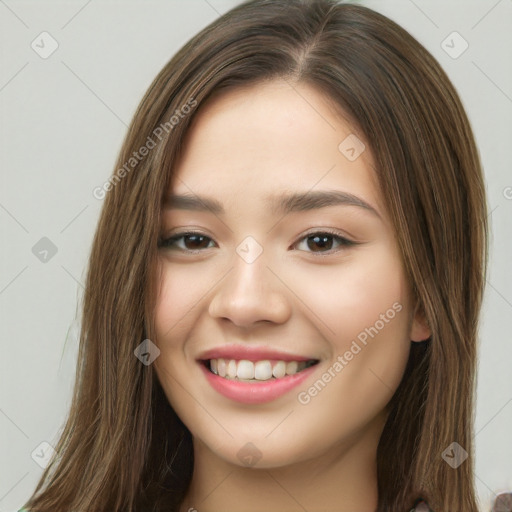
[[250, 353]]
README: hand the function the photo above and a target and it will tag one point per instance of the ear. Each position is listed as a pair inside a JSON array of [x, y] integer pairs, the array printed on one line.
[[420, 330]]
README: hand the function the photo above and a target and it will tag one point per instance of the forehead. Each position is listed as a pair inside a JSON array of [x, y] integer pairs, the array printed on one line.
[[255, 141]]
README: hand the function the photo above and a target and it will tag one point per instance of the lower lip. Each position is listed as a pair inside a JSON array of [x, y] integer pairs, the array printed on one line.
[[256, 392]]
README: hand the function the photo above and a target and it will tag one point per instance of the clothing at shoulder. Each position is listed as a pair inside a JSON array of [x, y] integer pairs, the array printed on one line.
[[421, 507]]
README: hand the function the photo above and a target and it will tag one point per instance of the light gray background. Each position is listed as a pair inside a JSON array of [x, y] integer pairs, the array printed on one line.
[[63, 120]]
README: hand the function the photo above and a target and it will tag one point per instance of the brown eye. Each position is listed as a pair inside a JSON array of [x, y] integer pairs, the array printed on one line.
[[320, 241], [190, 242], [324, 242]]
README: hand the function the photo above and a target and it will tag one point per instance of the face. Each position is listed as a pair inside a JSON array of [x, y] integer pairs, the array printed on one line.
[[284, 318]]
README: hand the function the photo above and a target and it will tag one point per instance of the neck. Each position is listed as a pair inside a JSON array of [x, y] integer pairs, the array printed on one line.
[[342, 480]]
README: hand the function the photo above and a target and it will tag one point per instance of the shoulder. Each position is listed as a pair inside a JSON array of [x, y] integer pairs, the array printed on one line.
[[421, 506]]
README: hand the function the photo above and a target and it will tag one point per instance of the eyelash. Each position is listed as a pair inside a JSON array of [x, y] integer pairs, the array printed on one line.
[[167, 243]]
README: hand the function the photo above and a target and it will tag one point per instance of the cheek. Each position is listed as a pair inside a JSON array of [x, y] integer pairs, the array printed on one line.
[[176, 313], [180, 291], [364, 307], [364, 310], [349, 298]]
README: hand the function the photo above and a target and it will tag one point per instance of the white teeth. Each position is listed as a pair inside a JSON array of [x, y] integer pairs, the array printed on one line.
[[245, 370], [221, 367], [279, 370], [291, 367], [262, 370], [231, 369], [253, 371]]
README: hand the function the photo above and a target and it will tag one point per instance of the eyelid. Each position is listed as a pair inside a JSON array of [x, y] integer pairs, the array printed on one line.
[[329, 231]]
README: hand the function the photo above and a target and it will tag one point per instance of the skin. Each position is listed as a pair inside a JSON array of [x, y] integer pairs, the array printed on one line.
[[298, 297]]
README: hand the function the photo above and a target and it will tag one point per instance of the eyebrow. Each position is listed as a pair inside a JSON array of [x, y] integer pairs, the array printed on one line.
[[279, 204]]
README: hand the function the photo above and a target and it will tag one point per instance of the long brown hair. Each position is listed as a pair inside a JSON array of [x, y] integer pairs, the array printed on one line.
[[123, 448]]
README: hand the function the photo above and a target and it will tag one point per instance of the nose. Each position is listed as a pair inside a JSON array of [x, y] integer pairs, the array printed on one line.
[[250, 294]]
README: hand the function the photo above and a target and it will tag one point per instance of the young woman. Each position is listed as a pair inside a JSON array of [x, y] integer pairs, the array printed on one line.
[[283, 293]]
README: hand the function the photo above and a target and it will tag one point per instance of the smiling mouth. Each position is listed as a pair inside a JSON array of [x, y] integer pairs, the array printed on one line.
[[256, 371]]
